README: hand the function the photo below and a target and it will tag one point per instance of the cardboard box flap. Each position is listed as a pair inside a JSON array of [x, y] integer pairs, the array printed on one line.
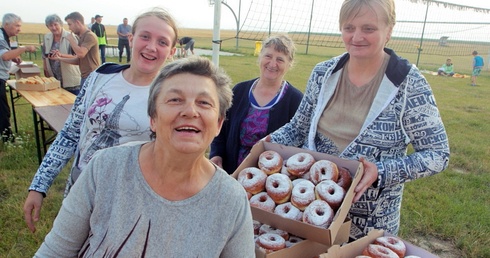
[[33, 69], [355, 248], [317, 234]]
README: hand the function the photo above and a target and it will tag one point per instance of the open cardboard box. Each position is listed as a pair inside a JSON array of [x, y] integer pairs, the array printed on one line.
[[355, 248], [38, 87], [25, 70], [338, 232], [306, 248]]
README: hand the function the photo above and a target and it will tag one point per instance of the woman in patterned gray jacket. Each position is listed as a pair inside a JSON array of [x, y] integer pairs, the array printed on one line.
[[369, 104]]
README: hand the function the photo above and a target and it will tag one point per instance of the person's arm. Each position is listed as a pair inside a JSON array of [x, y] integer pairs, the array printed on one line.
[[241, 243], [58, 155], [71, 227], [295, 132], [80, 51], [15, 53], [424, 127]]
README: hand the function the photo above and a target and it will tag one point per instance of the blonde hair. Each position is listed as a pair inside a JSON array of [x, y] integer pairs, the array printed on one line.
[[351, 8]]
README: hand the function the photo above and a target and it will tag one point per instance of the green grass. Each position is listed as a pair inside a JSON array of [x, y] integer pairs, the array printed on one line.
[[453, 206]]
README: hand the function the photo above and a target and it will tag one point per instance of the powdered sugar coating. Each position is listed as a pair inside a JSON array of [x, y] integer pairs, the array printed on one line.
[[278, 187], [393, 243], [263, 201], [318, 213], [299, 163], [270, 162], [303, 193], [268, 229], [323, 170], [289, 211], [330, 192], [272, 241], [379, 251], [252, 179]]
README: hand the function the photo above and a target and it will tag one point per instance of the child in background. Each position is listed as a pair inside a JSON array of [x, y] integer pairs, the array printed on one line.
[[477, 66], [447, 69]]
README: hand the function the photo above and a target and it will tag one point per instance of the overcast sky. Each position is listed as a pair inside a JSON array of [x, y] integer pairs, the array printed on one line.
[[188, 13]]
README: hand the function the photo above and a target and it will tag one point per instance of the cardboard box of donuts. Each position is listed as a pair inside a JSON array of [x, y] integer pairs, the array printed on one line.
[[356, 248], [37, 83], [314, 239]]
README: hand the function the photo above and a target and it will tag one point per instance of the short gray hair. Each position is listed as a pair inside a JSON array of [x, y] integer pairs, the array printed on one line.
[[52, 18], [198, 66], [281, 43], [10, 18]]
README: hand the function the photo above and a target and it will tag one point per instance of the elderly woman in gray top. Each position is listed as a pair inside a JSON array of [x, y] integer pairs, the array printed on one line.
[[55, 41], [161, 198]]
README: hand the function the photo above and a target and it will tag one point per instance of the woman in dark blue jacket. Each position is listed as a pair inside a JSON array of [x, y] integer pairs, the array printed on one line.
[[260, 106]]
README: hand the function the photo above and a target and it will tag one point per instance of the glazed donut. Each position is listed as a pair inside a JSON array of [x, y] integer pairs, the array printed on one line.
[[287, 210], [264, 229], [318, 213], [279, 187], [257, 225], [330, 192], [303, 193], [252, 179], [323, 170], [271, 242], [263, 201], [379, 251], [299, 163], [270, 162], [345, 179], [393, 243], [293, 240]]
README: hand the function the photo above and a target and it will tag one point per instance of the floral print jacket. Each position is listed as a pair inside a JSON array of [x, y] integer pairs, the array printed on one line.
[[404, 112]]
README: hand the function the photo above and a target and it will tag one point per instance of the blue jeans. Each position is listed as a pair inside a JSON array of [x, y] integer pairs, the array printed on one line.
[[102, 53]]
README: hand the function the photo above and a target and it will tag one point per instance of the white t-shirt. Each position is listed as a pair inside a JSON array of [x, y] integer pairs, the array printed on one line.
[[115, 117]]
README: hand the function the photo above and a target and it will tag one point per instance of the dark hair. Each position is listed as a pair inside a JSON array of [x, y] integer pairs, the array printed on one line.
[[197, 66], [475, 52]]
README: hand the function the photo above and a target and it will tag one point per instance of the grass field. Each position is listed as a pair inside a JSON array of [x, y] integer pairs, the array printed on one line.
[[448, 213]]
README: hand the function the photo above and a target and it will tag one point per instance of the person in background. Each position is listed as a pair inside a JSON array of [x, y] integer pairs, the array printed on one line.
[[56, 41], [92, 21], [123, 31], [447, 69], [186, 43], [11, 24], [260, 105], [477, 66], [163, 198], [108, 110], [86, 49], [369, 105], [99, 29]]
